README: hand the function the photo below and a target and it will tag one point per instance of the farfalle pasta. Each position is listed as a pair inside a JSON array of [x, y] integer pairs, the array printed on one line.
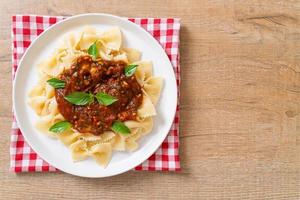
[[94, 95]]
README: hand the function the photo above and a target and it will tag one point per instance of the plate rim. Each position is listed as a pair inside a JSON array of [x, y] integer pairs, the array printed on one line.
[[150, 152]]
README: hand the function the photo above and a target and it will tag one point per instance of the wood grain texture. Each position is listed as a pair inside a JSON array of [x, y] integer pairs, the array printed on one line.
[[240, 104]]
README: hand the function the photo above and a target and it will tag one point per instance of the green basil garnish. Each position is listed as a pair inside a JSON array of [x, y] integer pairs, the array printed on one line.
[[120, 127], [60, 127], [56, 83], [130, 69], [105, 99], [93, 50], [80, 98]]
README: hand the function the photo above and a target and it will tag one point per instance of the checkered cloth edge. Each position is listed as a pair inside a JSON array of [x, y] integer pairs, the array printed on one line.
[[25, 28]]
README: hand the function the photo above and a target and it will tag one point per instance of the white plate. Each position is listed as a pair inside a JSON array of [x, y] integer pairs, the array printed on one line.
[[54, 152]]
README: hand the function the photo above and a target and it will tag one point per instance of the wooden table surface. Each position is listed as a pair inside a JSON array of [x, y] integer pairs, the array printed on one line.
[[240, 104]]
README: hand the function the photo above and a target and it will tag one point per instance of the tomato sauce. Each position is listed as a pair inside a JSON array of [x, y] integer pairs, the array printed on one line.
[[88, 75]]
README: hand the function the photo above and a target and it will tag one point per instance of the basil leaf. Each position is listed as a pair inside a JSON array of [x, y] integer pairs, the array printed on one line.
[[60, 127], [105, 99], [130, 69], [80, 98], [120, 127], [93, 50], [56, 83]]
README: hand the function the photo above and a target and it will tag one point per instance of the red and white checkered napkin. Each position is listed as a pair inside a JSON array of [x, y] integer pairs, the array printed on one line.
[[25, 28]]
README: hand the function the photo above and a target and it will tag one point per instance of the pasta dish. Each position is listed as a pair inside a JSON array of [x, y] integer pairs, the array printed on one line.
[[94, 95]]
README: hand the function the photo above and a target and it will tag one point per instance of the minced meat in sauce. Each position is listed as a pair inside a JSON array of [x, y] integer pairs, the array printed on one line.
[[88, 75]]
